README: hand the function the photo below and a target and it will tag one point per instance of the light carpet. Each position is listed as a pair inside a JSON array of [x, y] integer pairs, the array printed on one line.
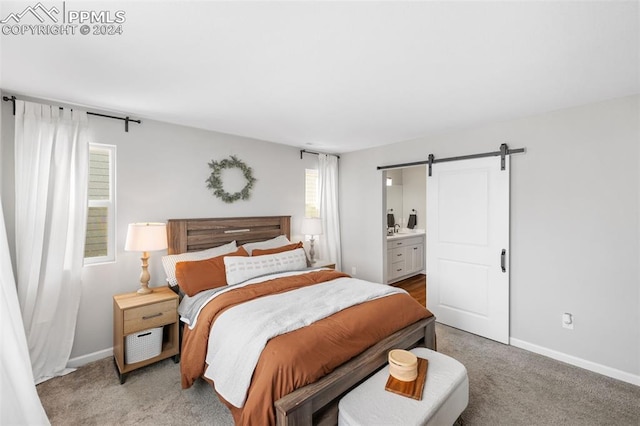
[[508, 386]]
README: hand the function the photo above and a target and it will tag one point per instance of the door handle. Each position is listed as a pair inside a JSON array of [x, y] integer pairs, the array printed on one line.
[[503, 260]]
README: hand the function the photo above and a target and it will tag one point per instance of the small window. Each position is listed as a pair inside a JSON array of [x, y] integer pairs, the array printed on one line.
[[311, 206], [99, 243]]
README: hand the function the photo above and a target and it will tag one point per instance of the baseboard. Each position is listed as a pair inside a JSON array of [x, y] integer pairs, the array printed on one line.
[[578, 362], [86, 359]]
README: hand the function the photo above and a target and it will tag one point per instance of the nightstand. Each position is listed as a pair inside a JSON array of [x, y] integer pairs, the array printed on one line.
[[319, 263], [133, 312]]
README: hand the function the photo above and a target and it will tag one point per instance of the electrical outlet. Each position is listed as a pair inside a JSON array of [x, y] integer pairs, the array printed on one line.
[[567, 320], [353, 271]]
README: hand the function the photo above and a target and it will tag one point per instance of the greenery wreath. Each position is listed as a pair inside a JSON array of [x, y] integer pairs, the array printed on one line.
[[214, 182]]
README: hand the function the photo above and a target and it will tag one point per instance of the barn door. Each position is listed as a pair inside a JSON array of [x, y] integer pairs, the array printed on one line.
[[468, 246]]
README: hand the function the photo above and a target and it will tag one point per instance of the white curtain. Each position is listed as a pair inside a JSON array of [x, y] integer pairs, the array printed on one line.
[[51, 172], [19, 402], [329, 241]]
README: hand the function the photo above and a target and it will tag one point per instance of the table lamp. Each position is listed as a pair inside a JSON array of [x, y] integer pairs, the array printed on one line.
[[146, 237], [311, 226]]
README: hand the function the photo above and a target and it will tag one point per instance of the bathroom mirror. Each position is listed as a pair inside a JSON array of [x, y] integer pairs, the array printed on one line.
[[406, 191], [394, 195]]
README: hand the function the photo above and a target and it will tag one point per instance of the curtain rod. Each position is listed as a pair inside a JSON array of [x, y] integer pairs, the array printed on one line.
[[126, 119], [304, 151], [504, 151]]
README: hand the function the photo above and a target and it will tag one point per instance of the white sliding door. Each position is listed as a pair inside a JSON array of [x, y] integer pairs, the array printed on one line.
[[468, 246]]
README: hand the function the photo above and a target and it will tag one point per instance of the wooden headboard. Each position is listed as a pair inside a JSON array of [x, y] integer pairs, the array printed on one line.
[[186, 235]]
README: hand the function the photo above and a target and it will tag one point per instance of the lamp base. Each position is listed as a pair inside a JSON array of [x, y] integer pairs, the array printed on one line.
[[144, 276], [144, 290], [312, 252]]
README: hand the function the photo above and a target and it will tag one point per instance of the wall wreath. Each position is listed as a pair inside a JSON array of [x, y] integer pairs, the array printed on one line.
[[214, 182]]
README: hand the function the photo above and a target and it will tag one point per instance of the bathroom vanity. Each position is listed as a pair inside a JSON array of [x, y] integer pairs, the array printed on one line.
[[405, 255]]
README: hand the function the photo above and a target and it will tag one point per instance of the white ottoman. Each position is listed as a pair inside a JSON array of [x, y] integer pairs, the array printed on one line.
[[445, 396]]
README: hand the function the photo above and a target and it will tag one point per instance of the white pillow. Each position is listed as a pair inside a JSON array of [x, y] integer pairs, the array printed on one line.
[[279, 241], [242, 268], [169, 261]]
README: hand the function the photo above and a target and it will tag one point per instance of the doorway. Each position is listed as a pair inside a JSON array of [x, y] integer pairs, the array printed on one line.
[[405, 220]]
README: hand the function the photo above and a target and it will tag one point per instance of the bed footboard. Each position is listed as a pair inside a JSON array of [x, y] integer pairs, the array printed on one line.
[[317, 403]]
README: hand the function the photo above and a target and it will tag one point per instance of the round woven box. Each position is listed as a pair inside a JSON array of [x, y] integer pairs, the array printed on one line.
[[403, 365]]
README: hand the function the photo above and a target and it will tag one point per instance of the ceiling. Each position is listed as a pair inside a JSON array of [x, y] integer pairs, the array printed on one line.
[[332, 76]]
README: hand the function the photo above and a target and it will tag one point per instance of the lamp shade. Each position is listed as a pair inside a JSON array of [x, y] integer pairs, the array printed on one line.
[[311, 226], [146, 237]]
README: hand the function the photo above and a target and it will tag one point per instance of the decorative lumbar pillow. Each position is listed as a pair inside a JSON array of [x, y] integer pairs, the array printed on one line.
[[278, 241], [198, 275], [288, 247], [169, 262], [240, 269]]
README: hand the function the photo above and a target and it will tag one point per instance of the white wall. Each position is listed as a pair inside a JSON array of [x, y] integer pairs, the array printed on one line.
[[574, 225], [415, 194], [161, 173]]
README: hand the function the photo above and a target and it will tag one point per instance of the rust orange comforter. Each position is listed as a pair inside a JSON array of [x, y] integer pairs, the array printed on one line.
[[296, 359]]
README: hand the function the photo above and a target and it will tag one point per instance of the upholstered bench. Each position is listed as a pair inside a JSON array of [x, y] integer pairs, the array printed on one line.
[[445, 396]]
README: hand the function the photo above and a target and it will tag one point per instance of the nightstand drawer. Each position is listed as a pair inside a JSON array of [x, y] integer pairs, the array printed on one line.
[[149, 316]]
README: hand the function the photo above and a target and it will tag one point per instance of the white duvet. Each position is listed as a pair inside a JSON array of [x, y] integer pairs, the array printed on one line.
[[239, 335]]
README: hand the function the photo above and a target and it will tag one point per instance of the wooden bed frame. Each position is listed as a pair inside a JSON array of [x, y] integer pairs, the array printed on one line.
[[186, 235], [316, 403]]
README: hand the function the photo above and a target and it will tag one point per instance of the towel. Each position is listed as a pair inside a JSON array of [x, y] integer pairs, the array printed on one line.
[[413, 221], [391, 220]]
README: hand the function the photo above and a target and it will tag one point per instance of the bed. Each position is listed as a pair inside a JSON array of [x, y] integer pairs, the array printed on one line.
[[315, 402]]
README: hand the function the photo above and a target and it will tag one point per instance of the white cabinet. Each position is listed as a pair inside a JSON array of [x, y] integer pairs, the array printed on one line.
[[405, 256], [415, 257]]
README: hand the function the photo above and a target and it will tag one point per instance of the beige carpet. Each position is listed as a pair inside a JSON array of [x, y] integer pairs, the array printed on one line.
[[508, 386]]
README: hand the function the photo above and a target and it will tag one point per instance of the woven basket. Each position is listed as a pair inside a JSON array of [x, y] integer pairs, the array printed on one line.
[[143, 345]]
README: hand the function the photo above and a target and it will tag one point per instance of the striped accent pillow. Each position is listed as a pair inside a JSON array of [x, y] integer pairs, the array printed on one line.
[[239, 269]]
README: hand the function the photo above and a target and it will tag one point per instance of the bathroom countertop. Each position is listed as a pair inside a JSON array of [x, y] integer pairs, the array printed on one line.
[[405, 234]]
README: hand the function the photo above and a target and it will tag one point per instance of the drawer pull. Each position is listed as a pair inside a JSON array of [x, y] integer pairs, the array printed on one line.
[[399, 254], [143, 334], [159, 314], [398, 270]]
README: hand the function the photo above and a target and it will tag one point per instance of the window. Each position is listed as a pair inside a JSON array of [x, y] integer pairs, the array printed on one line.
[[311, 206], [100, 238]]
